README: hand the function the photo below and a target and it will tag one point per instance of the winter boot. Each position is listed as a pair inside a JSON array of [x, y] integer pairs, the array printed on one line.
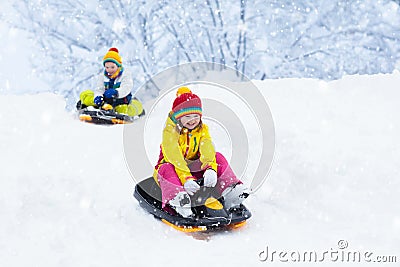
[[134, 108], [234, 195], [181, 204]]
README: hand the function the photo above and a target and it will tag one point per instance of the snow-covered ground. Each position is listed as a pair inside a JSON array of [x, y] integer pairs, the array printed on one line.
[[66, 194]]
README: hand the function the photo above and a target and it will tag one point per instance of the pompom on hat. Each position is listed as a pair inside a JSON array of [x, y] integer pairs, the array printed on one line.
[[186, 103], [113, 56]]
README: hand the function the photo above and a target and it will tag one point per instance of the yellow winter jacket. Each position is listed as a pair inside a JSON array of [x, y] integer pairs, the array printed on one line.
[[181, 146]]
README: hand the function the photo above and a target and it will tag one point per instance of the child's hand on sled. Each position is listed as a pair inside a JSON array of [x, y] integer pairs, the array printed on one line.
[[191, 187], [210, 178], [98, 101]]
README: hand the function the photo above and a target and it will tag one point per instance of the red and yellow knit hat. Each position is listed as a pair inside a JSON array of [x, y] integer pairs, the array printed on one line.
[[186, 103], [113, 56]]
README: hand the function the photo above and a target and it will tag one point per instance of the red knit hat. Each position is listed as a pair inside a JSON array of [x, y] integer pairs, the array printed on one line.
[[186, 103]]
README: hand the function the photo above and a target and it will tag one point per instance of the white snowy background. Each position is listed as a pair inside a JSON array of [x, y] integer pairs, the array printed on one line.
[[66, 194]]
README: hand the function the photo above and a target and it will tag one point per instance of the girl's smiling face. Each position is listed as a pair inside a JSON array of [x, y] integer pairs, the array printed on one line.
[[190, 121]]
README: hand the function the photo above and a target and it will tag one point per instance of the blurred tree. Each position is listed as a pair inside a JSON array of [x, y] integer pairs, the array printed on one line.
[[263, 39]]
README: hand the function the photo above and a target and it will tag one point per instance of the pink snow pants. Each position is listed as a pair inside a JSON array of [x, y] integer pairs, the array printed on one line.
[[171, 185]]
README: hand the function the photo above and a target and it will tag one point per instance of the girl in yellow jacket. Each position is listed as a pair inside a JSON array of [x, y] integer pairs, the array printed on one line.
[[187, 154]]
